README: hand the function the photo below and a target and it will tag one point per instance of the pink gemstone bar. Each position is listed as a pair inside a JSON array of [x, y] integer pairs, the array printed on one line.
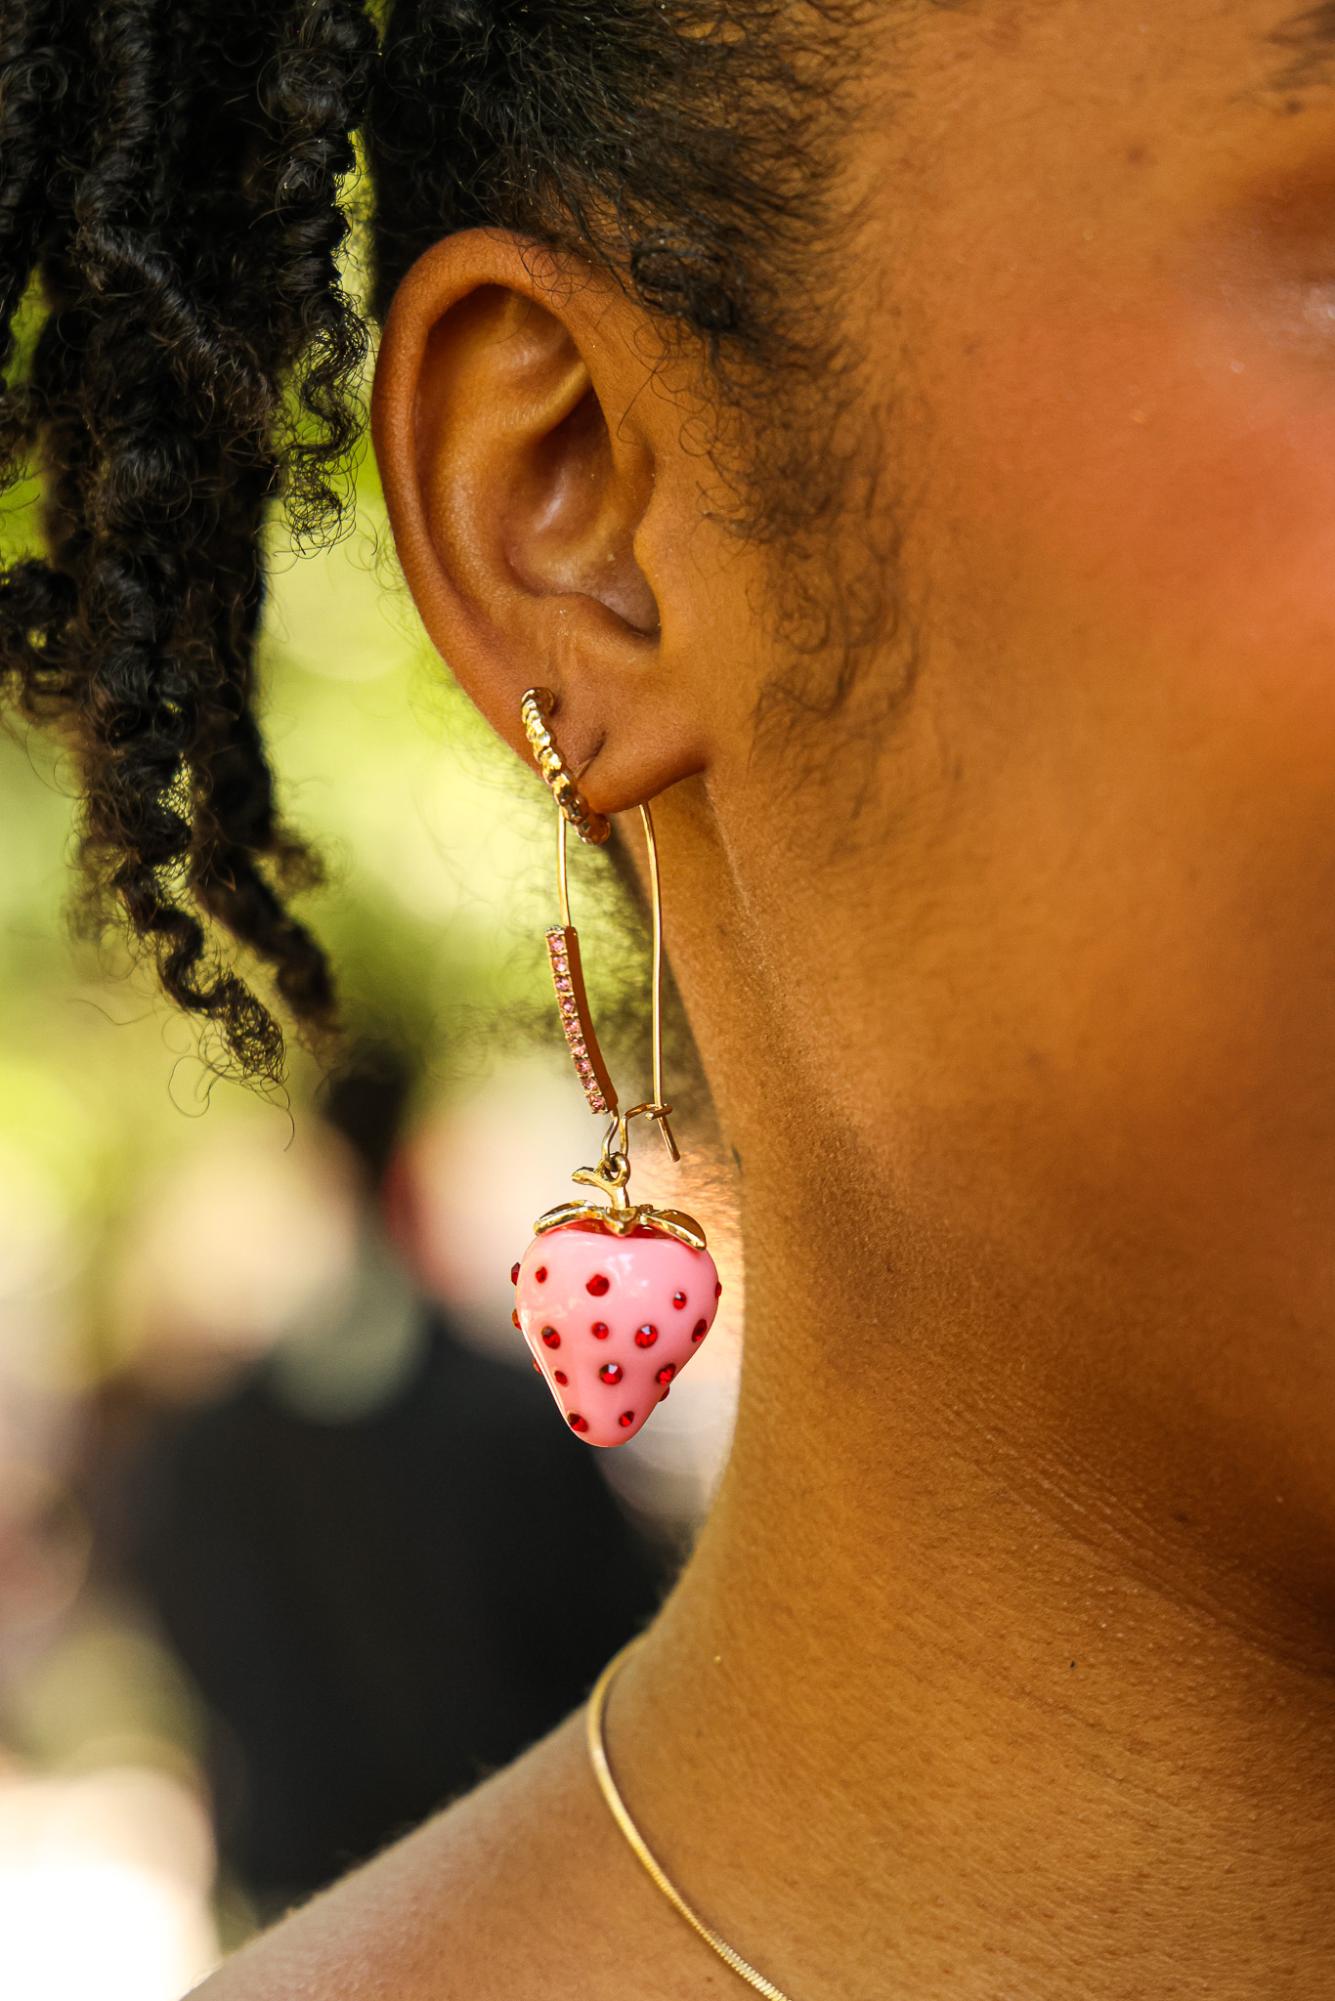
[[568, 979]]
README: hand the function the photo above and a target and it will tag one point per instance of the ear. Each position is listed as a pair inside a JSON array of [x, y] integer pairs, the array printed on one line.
[[520, 460]]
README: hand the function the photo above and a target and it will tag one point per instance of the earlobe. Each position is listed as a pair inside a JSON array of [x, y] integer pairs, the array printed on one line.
[[517, 478]]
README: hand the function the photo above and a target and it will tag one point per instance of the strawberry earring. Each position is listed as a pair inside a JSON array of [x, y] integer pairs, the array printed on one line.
[[612, 1297]]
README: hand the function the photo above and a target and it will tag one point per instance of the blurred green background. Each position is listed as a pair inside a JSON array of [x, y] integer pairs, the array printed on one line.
[[164, 1234]]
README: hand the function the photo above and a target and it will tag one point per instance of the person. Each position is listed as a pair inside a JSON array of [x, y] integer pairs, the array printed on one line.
[[900, 437], [347, 1570]]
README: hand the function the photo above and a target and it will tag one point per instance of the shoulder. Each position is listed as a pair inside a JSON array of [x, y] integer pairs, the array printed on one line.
[[522, 1887]]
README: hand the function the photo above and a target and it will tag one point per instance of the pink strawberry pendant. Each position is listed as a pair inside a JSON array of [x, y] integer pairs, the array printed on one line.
[[613, 1315]]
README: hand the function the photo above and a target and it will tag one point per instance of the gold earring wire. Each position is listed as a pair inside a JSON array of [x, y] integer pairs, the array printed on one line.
[[563, 940]]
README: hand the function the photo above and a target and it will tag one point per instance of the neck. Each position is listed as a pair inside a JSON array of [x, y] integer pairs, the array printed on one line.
[[940, 1705]]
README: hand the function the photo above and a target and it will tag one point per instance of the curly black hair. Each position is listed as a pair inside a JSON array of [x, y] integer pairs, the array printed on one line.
[[178, 180]]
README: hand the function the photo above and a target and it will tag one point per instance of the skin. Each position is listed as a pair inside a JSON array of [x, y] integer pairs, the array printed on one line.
[[1003, 1665]]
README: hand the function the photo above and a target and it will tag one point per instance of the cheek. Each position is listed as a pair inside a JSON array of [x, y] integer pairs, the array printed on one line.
[[1165, 483], [1140, 570]]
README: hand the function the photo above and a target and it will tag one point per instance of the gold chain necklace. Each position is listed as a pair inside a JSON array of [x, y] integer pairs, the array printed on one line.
[[603, 1773]]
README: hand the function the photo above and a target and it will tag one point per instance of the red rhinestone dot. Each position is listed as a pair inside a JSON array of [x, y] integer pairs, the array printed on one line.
[[551, 1337], [600, 1330], [626, 1417], [645, 1337], [679, 1300], [578, 1423], [666, 1373], [514, 1315], [662, 1393], [561, 1375], [598, 1284], [718, 1289], [699, 1331], [610, 1372], [541, 1275], [514, 1272]]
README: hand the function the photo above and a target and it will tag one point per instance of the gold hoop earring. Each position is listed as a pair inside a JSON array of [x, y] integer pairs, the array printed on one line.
[[613, 1295]]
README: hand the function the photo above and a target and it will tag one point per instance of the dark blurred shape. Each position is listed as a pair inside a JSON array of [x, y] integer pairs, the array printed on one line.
[[380, 1609], [366, 1102], [379, 1612]]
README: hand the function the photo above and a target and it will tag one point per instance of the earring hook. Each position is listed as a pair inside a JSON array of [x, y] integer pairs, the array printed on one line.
[[563, 941]]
